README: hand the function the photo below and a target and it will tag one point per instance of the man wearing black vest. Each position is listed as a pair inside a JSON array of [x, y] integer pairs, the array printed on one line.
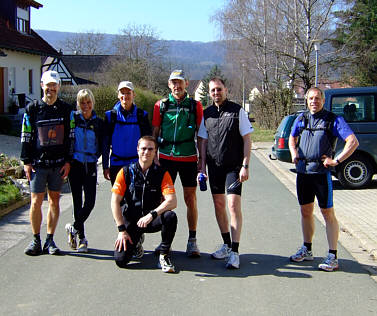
[[311, 143], [149, 195], [225, 144]]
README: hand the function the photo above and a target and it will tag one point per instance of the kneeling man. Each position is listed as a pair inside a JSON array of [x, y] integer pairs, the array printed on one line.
[[149, 196]]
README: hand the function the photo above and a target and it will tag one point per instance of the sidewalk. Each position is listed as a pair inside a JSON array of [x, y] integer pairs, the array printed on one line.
[[355, 209]]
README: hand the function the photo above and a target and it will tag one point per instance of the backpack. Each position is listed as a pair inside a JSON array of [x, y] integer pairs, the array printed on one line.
[[329, 119], [164, 107], [144, 130]]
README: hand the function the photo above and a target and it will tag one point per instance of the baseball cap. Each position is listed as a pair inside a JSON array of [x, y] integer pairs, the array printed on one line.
[[50, 76], [177, 74], [126, 84]]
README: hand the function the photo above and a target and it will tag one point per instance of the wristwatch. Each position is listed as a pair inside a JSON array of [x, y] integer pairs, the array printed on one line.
[[245, 166]]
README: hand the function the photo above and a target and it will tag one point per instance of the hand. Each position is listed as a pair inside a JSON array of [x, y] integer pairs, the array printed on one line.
[[121, 241], [28, 170], [145, 220], [64, 171], [106, 173], [295, 160], [328, 162], [197, 177], [244, 174]]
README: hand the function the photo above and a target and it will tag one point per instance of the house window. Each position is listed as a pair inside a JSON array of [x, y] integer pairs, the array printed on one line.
[[30, 81], [23, 20]]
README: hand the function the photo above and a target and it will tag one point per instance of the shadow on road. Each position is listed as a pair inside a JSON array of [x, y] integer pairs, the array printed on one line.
[[251, 265]]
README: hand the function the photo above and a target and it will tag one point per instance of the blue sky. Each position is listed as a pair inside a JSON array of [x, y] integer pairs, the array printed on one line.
[[172, 20]]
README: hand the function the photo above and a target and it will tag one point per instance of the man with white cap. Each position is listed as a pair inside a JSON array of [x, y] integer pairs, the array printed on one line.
[[124, 125], [46, 151], [176, 120]]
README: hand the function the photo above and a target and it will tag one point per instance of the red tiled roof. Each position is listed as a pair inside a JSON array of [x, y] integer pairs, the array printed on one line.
[[28, 43]]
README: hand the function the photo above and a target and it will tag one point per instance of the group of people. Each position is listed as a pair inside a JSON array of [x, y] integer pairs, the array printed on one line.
[[142, 164]]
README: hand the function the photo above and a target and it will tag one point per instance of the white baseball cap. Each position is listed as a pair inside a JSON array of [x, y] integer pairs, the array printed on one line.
[[50, 76], [126, 84]]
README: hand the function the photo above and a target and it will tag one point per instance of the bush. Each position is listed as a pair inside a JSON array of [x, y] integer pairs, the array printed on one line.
[[107, 96], [8, 194]]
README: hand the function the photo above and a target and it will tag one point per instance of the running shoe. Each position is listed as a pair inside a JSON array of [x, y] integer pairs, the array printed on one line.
[[302, 254], [139, 250], [192, 249], [72, 234], [222, 253], [83, 246], [51, 248], [34, 248], [329, 264], [233, 261], [165, 263]]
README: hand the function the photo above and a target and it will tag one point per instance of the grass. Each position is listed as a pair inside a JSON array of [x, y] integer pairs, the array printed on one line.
[[262, 135], [8, 194]]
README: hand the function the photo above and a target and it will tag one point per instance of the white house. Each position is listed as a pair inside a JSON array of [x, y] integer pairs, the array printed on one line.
[[21, 50]]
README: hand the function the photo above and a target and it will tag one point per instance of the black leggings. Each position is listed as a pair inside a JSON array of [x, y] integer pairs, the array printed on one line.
[[82, 178], [166, 223]]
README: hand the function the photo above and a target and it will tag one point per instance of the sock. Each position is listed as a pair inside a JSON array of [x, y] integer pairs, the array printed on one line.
[[334, 252], [192, 234], [37, 237], [226, 238], [235, 246], [308, 245], [49, 237]]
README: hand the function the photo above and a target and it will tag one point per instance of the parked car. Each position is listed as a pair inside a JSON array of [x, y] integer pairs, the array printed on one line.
[[358, 106]]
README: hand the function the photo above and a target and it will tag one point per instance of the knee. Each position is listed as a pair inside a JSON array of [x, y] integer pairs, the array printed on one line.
[[170, 218], [122, 258], [306, 211], [328, 214]]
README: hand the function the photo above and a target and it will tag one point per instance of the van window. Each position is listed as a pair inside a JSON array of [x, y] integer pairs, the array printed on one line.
[[355, 108]]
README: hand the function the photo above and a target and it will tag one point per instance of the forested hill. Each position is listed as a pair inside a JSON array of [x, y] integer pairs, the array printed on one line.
[[199, 57]]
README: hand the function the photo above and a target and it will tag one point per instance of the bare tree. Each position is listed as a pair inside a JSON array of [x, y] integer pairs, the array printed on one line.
[[277, 35], [88, 43], [143, 54]]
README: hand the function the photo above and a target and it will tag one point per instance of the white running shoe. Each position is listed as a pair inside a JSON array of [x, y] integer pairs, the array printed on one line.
[[302, 254], [165, 263], [222, 253], [83, 246], [72, 234], [233, 261], [329, 264]]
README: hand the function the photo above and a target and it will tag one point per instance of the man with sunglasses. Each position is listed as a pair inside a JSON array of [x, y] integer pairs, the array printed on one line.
[[149, 195], [224, 145]]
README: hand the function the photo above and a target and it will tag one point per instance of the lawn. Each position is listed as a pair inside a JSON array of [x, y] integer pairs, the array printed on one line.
[[262, 135]]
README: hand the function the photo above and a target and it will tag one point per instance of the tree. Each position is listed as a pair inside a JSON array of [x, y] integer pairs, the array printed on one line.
[[356, 37], [143, 54], [214, 72], [88, 43]]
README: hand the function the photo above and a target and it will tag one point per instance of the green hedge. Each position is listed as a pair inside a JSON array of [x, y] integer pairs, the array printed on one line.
[[107, 96]]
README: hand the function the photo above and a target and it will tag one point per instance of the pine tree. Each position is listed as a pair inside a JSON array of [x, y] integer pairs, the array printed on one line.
[[214, 72], [357, 34]]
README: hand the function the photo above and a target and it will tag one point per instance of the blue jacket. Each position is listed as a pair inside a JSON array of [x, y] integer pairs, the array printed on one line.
[[88, 145], [122, 137]]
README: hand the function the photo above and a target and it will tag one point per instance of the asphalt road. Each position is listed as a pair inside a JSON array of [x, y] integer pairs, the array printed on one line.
[[266, 284]]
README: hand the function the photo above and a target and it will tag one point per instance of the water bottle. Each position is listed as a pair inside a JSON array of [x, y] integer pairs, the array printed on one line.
[[202, 182]]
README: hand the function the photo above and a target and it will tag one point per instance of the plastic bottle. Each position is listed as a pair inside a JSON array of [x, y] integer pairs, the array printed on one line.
[[202, 182]]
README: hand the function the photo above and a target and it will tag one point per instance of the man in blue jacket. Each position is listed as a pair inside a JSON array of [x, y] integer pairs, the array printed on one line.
[[124, 125], [311, 143]]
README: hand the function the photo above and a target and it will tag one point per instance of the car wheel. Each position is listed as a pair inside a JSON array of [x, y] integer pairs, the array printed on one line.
[[355, 172]]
